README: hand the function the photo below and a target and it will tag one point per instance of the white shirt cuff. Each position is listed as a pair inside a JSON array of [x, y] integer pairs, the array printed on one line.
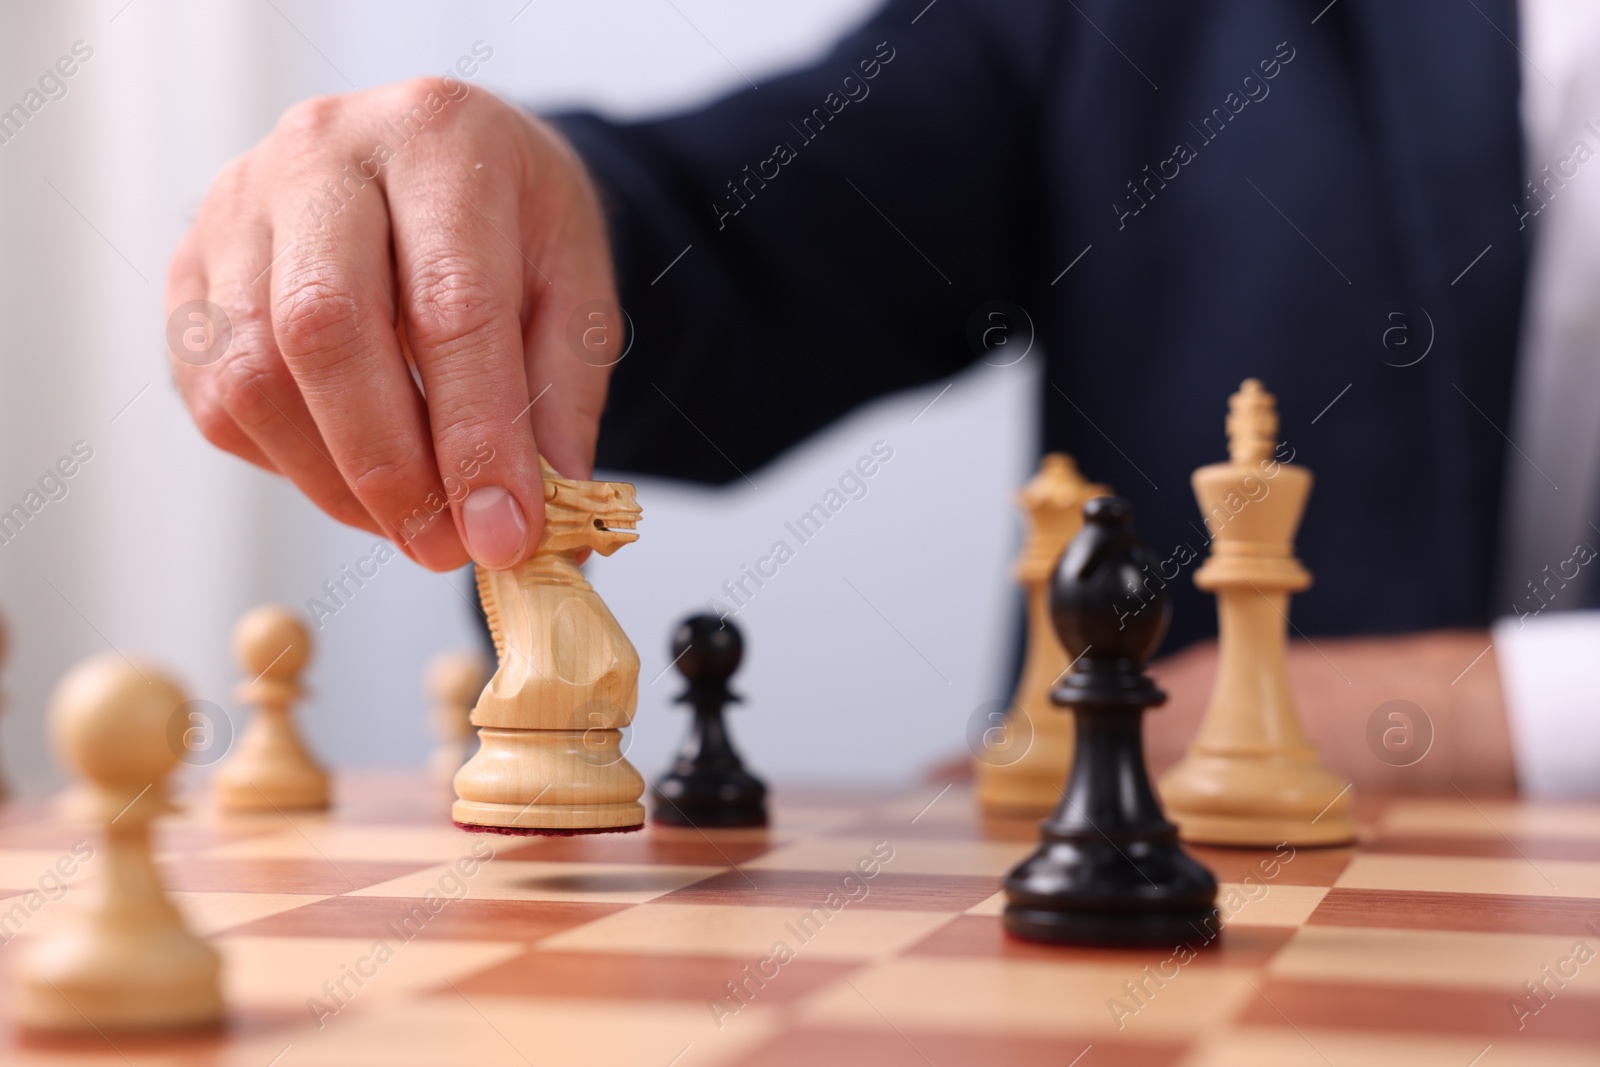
[[1550, 675]]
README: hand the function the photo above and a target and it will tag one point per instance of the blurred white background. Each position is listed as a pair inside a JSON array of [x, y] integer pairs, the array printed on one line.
[[162, 542]]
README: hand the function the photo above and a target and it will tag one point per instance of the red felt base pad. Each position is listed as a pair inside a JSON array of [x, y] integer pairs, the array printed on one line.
[[539, 831]]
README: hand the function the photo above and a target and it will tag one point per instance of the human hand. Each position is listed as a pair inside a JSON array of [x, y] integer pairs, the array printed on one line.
[[420, 212], [1435, 696]]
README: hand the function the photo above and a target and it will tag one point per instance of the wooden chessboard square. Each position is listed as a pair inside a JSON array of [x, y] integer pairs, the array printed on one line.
[[289, 971], [749, 934], [1459, 874], [1498, 913], [212, 913], [1415, 1009], [886, 1047], [396, 918], [880, 828], [1478, 818], [200, 1048], [447, 1028], [600, 883], [699, 980], [1283, 1046], [202, 874], [394, 797], [1267, 903], [1499, 846], [1444, 958], [31, 870], [994, 904], [803, 889], [314, 837], [841, 854], [1031, 996], [207, 914], [1284, 866], [168, 837], [974, 935]]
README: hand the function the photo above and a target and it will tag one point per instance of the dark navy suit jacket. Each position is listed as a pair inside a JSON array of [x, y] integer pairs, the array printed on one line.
[[1261, 192]]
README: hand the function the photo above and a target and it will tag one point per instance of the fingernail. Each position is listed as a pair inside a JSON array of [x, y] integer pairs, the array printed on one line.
[[497, 533]]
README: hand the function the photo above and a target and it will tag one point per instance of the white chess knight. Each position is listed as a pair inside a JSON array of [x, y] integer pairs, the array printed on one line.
[[122, 958], [270, 767], [550, 720], [1252, 777]]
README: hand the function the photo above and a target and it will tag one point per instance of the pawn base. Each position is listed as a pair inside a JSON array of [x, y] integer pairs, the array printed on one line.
[[547, 818], [1264, 831], [723, 817], [243, 796], [1258, 800], [1196, 927], [99, 980], [520, 831]]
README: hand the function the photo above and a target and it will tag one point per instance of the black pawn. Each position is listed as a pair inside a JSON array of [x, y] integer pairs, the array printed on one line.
[[708, 785], [1109, 870]]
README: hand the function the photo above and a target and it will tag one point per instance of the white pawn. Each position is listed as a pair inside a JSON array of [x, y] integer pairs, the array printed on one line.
[[454, 681], [129, 963], [271, 768]]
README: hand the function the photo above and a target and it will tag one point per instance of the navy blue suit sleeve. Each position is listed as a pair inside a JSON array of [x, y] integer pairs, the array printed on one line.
[[845, 223]]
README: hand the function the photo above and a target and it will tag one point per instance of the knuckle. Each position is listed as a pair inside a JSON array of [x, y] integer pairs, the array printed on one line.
[[312, 317], [435, 92], [214, 422], [245, 384], [232, 180], [467, 432], [452, 301], [311, 120], [387, 473], [250, 318]]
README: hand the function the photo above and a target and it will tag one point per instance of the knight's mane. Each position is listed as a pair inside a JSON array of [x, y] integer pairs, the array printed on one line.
[[491, 611]]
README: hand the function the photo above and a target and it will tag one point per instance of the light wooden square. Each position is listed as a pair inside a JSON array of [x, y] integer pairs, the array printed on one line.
[[1462, 874], [1448, 958], [602, 883], [490, 1031], [305, 837], [1029, 996], [288, 971], [1284, 1047], [750, 933], [1267, 904], [992, 858]]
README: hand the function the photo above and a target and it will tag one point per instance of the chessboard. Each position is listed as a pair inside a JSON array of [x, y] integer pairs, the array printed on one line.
[[860, 927]]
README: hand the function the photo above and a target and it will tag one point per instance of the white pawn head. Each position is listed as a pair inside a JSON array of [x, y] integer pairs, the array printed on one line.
[[272, 643], [110, 720], [455, 678]]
